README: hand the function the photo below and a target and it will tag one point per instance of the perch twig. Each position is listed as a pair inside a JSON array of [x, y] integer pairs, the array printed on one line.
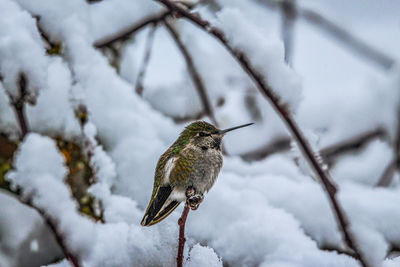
[[182, 240]]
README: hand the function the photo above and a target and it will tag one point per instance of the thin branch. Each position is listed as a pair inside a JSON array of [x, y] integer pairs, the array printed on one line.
[[351, 144], [329, 154], [182, 240], [286, 116], [339, 33], [194, 74], [146, 60], [388, 174], [193, 117], [126, 33], [288, 19], [18, 104], [277, 145]]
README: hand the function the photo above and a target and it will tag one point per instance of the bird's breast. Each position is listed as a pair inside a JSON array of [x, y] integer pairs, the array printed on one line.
[[207, 168]]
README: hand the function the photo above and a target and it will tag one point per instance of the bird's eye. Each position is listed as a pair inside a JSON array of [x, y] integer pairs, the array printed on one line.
[[203, 134]]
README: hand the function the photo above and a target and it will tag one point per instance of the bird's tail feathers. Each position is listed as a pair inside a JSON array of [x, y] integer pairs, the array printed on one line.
[[160, 206]]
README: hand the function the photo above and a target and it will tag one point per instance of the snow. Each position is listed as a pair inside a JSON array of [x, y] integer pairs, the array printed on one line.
[[263, 213], [21, 49], [265, 52]]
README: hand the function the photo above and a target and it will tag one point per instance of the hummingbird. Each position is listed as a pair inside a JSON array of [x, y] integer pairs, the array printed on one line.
[[186, 170]]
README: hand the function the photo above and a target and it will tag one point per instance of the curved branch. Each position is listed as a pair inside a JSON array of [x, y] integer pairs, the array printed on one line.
[[126, 33], [146, 60], [194, 74], [286, 116]]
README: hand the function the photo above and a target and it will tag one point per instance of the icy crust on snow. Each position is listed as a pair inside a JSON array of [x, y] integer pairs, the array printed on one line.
[[21, 49], [265, 52]]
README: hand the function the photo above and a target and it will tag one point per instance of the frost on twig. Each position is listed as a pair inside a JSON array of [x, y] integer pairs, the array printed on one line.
[[282, 109]]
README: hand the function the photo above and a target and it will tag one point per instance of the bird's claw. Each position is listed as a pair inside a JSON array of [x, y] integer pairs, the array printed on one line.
[[194, 201]]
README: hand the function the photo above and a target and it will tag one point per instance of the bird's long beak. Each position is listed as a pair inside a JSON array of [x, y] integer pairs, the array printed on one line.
[[234, 128]]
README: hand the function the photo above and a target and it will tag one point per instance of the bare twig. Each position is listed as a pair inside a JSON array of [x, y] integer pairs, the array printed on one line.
[[277, 145], [328, 153], [18, 104], [182, 240], [288, 19], [192, 117], [351, 144], [286, 116], [388, 174], [198, 82], [338, 32], [126, 33], [146, 60]]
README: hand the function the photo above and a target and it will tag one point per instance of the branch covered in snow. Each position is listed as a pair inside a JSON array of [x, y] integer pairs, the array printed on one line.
[[34, 176]]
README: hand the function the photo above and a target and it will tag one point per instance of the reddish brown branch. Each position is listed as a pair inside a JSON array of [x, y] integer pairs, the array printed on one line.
[[146, 60], [126, 33], [286, 116], [194, 74], [182, 240]]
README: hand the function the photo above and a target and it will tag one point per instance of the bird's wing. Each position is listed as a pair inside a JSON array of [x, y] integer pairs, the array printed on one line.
[[170, 176], [160, 206]]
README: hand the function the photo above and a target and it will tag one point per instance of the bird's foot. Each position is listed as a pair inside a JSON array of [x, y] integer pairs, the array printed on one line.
[[190, 191], [194, 201]]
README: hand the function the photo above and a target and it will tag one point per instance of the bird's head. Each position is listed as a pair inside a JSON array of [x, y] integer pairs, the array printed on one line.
[[205, 135]]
